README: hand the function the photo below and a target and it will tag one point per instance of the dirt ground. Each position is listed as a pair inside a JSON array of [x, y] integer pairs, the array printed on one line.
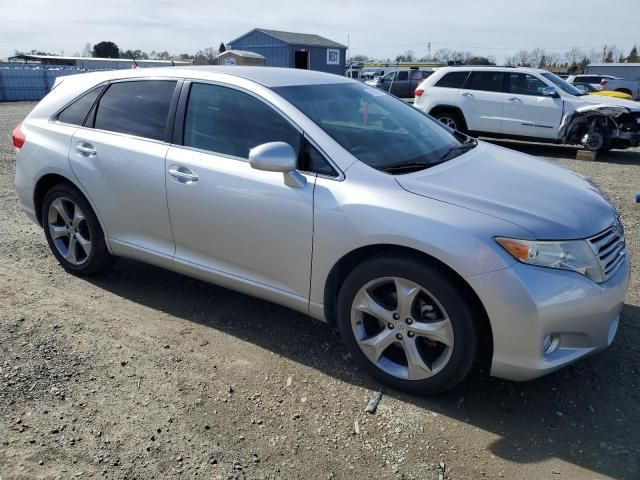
[[144, 373]]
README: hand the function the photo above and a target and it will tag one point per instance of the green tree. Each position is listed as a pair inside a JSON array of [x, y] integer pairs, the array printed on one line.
[[633, 55], [106, 50], [222, 48]]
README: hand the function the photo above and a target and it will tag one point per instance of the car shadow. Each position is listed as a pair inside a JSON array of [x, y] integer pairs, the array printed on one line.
[[570, 414], [549, 150]]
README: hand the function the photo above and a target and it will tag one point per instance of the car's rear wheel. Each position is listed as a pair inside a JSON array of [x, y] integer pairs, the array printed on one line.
[[407, 324], [73, 231], [451, 119]]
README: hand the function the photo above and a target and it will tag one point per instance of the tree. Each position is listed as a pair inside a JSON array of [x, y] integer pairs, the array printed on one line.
[[359, 59], [443, 55], [633, 55], [480, 61], [222, 48], [106, 50], [537, 57], [609, 57], [574, 55], [86, 51]]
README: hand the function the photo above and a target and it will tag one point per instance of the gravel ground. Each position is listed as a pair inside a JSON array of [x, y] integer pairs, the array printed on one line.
[[144, 373]]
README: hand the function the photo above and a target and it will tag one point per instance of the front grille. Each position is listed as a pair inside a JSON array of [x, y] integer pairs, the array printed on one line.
[[609, 247]]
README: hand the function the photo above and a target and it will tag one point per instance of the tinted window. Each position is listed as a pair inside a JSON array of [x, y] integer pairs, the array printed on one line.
[[403, 76], [136, 108], [523, 84], [485, 81], [452, 80], [314, 161], [373, 126], [76, 113], [224, 120]]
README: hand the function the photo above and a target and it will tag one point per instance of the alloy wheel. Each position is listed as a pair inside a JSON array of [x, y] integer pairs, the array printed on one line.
[[449, 122], [69, 230], [402, 328]]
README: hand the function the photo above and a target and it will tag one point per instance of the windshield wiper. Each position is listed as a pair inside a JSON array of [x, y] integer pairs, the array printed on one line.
[[408, 167], [468, 145]]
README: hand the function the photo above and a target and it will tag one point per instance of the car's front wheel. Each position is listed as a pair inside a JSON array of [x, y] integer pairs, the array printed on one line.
[[73, 231], [406, 322]]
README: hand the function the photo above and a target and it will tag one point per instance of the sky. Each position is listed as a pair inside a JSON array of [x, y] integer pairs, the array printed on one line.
[[380, 29]]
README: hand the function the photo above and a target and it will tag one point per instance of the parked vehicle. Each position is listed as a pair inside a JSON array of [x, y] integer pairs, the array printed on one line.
[[590, 90], [526, 103], [609, 83], [430, 250], [401, 83]]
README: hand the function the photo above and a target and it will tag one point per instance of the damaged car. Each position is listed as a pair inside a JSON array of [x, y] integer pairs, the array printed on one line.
[[601, 127], [527, 104]]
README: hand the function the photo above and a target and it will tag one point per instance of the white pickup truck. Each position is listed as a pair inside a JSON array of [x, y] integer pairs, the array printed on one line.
[[527, 103], [608, 82]]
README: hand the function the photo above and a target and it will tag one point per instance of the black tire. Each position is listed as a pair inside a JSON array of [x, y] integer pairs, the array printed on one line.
[[452, 119], [99, 259], [444, 288]]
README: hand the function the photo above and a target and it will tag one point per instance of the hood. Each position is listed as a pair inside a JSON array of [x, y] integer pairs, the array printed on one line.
[[604, 100], [549, 201]]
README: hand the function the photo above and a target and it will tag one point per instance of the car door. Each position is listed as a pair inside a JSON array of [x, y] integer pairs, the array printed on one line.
[[228, 218], [400, 85], [527, 112], [482, 101], [118, 158]]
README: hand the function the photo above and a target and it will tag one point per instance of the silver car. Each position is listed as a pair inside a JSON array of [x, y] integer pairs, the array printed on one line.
[[428, 249]]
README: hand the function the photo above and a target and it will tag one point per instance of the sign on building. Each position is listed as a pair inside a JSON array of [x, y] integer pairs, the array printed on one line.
[[333, 56]]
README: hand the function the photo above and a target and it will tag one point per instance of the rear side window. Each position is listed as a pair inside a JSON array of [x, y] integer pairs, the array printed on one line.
[[452, 80], [403, 76], [137, 108], [485, 81], [77, 112], [227, 121]]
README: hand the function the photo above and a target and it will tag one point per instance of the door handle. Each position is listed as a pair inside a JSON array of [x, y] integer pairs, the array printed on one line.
[[182, 174], [515, 100], [467, 94], [85, 149]]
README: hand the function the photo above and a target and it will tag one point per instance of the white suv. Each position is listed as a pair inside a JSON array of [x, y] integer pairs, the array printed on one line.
[[516, 102]]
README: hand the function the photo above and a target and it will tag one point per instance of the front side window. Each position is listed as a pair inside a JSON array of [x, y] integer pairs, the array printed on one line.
[[452, 80], [137, 108], [227, 121], [563, 85], [486, 81], [389, 76], [524, 84], [77, 112], [376, 128]]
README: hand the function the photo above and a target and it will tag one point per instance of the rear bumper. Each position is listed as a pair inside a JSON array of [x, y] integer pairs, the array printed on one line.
[[525, 303]]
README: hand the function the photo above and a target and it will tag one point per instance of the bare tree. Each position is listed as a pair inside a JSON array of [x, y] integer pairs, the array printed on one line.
[[86, 50], [522, 58], [537, 57], [574, 55], [443, 55]]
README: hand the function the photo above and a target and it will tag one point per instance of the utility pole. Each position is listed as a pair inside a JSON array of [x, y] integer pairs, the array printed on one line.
[[429, 48], [604, 53]]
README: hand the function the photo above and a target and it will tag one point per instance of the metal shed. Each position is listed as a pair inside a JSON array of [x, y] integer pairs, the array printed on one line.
[[240, 57], [628, 71], [294, 50]]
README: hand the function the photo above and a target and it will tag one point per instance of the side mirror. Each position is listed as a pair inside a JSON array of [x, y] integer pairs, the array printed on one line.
[[277, 157], [550, 92]]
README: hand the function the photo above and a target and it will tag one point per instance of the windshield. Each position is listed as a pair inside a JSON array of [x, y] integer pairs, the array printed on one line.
[[566, 86], [375, 127]]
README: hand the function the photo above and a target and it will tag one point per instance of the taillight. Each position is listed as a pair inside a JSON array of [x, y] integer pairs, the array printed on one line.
[[603, 83], [419, 92], [18, 137]]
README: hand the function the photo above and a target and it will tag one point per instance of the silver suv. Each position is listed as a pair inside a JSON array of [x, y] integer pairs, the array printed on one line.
[[429, 250]]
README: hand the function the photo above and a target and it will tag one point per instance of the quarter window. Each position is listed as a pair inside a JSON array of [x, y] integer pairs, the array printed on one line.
[[524, 84], [77, 112], [485, 81], [452, 80], [313, 161], [227, 121], [137, 108]]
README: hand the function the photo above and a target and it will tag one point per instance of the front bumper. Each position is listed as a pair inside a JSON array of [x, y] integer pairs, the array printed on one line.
[[525, 303]]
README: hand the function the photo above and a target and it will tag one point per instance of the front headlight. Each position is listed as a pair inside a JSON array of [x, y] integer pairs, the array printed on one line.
[[574, 255]]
